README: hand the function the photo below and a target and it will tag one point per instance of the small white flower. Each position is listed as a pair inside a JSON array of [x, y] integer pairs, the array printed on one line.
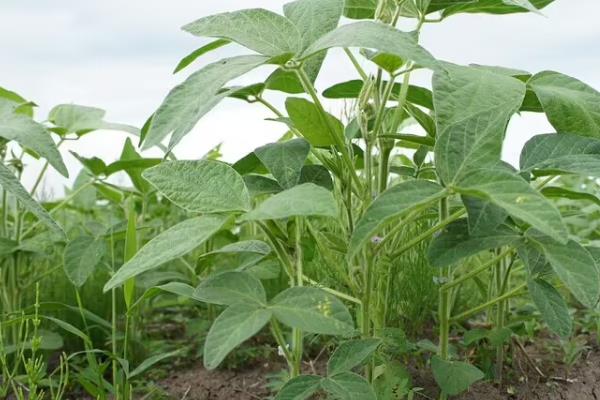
[[376, 239], [280, 350]]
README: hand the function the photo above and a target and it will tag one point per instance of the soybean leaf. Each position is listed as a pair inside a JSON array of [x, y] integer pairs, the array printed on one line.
[[561, 154], [350, 386], [570, 105], [236, 324], [11, 184], [351, 90], [512, 193], [29, 134], [574, 266], [533, 258], [205, 186], [312, 310], [455, 243], [176, 288], [312, 18], [306, 200], [472, 108], [552, 306], [374, 35], [194, 55], [244, 246], [258, 185], [299, 388], [81, 257], [284, 160], [73, 118], [11, 101], [351, 354], [454, 377], [392, 203], [317, 174], [266, 269], [484, 216], [260, 30], [168, 245], [360, 9], [559, 192], [307, 119], [197, 95], [135, 174], [151, 361], [395, 382], [496, 7], [231, 287]]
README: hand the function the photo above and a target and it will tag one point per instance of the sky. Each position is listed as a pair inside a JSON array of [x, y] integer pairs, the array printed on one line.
[[119, 55]]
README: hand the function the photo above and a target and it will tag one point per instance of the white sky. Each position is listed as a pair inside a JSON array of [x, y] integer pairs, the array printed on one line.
[[119, 55]]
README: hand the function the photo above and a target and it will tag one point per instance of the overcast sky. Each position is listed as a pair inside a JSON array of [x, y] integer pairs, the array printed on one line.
[[119, 55]]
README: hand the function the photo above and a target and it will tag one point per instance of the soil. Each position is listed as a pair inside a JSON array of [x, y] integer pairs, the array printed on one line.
[[535, 374]]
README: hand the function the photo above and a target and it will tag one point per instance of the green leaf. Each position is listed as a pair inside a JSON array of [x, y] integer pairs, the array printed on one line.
[[81, 257], [561, 154], [374, 35], [236, 324], [312, 18], [11, 101], [176, 288], [200, 186], [299, 388], [391, 204], [360, 9], [484, 216], [194, 55], [559, 192], [317, 174], [168, 245], [348, 386], [305, 200], [511, 192], [29, 134], [351, 90], [73, 118], [231, 287], [496, 7], [10, 183], [571, 105], [552, 306], [472, 108], [574, 266], [312, 310], [151, 361], [307, 119], [197, 95], [244, 246], [454, 377], [135, 174], [284, 160], [258, 185], [534, 260], [455, 243], [351, 354], [260, 30]]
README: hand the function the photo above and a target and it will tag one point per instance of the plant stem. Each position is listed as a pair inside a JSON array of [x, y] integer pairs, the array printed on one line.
[[309, 88], [444, 302], [297, 344], [513, 293], [475, 272]]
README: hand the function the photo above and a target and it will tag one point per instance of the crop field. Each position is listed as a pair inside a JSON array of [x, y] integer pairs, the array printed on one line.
[[381, 249]]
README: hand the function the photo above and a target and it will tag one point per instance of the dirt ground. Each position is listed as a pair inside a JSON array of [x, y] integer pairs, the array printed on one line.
[[533, 376]]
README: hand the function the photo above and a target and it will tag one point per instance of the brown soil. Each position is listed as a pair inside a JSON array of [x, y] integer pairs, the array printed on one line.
[[535, 374]]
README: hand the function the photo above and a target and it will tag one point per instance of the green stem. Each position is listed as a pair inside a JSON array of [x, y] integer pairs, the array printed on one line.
[[421, 237], [356, 64], [475, 272], [309, 88], [297, 344], [444, 302], [482, 307]]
